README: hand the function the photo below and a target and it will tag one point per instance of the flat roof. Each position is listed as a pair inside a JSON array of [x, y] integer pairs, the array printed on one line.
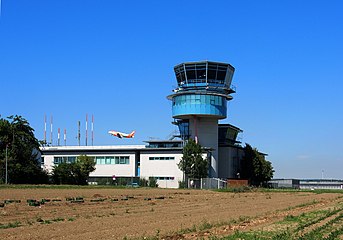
[[106, 147], [223, 125], [205, 61], [163, 141], [84, 150]]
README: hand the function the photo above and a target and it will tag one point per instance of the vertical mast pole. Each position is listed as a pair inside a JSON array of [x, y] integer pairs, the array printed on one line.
[[65, 137], [44, 128], [86, 128], [92, 129], [79, 133], [58, 136], [51, 130]]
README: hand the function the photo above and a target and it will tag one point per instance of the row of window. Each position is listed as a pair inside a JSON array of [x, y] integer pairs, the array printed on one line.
[[199, 99], [164, 178], [110, 160], [58, 160], [107, 160], [202, 72], [161, 158], [164, 145], [99, 160]]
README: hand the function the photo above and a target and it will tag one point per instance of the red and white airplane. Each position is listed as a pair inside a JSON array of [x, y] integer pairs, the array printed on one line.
[[122, 135]]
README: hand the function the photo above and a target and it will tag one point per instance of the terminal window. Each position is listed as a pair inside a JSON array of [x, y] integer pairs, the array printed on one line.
[[161, 158], [111, 160], [59, 160], [164, 178]]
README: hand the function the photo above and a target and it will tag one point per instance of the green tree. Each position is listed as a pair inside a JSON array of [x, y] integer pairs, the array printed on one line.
[[255, 167], [74, 173], [192, 163], [63, 173], [23, 152], [86, 165], [152, 182]]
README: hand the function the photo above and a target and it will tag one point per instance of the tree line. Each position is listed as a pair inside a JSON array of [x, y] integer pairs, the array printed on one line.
[[254, 167], [19, 150]]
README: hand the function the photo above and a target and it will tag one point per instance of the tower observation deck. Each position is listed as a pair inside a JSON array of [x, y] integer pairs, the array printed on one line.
[[200, 100]]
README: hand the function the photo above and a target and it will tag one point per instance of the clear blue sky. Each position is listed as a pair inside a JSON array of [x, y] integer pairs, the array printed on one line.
[[115, 59]]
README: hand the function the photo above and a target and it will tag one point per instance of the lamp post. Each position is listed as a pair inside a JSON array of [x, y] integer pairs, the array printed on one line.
[[6, 172]]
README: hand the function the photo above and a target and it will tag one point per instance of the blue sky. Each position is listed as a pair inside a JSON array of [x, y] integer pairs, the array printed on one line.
[[115, 59]]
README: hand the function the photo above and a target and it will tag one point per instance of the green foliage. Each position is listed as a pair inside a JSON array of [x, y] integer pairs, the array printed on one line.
[[255, 167], [182, 184], [236, 189], [74, 173], [205, 225], [86, 165], [10, 225], [306, 226], [153, 182], [143, 182], [290, 218], [192, 162], [22, 152]]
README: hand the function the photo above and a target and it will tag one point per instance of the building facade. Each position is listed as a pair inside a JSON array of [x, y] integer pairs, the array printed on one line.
[[198, 103], [131, 162]]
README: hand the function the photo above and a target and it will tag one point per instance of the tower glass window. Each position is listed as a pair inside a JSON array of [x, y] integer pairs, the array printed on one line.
[[190, 70], [204, 72], [183, 128], [180, 74], [201, 72]]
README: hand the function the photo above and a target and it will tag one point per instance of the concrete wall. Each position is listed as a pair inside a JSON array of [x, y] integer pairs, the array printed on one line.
[[207, 131], [230, 161], [48, 163], [101, 170], [121, 170], [161, 168]]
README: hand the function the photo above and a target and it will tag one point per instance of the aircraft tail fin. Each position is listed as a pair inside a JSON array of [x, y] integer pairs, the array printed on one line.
[[132, 134]]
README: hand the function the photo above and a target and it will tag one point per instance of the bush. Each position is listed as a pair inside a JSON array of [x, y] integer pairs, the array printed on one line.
[[182, 184], [143, 182], [104, 181], [74, 173], [153, 182], [236, 189]]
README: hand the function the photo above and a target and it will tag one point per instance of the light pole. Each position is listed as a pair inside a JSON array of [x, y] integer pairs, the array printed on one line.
[[6, 173]]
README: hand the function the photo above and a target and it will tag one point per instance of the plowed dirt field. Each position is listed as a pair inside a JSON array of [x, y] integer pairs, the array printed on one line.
[[107, 213]]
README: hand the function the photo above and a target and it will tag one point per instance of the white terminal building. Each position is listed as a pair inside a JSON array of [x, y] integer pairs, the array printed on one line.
[[198, 103]]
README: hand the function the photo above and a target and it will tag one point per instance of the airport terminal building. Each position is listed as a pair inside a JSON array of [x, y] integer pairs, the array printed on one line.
[[198, 103]]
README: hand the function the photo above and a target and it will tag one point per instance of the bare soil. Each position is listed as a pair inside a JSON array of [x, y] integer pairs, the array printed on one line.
[[162, 213]]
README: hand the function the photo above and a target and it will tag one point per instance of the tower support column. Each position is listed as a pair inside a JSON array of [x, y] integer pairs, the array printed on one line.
[[205, 129]]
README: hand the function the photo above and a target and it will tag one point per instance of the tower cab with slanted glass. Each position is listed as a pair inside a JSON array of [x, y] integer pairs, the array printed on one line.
[[203, 89]]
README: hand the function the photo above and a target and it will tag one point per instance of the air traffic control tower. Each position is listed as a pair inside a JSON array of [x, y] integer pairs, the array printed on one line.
[[200, 100]]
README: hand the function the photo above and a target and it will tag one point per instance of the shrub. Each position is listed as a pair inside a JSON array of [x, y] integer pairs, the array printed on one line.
[[143, 182], [153, 182], [182, 184]]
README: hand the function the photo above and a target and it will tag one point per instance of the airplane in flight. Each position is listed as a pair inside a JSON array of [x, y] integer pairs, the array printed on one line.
[[122, 135]]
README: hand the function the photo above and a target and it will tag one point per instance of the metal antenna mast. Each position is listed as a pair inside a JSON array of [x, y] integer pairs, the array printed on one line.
[[79, 133]]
